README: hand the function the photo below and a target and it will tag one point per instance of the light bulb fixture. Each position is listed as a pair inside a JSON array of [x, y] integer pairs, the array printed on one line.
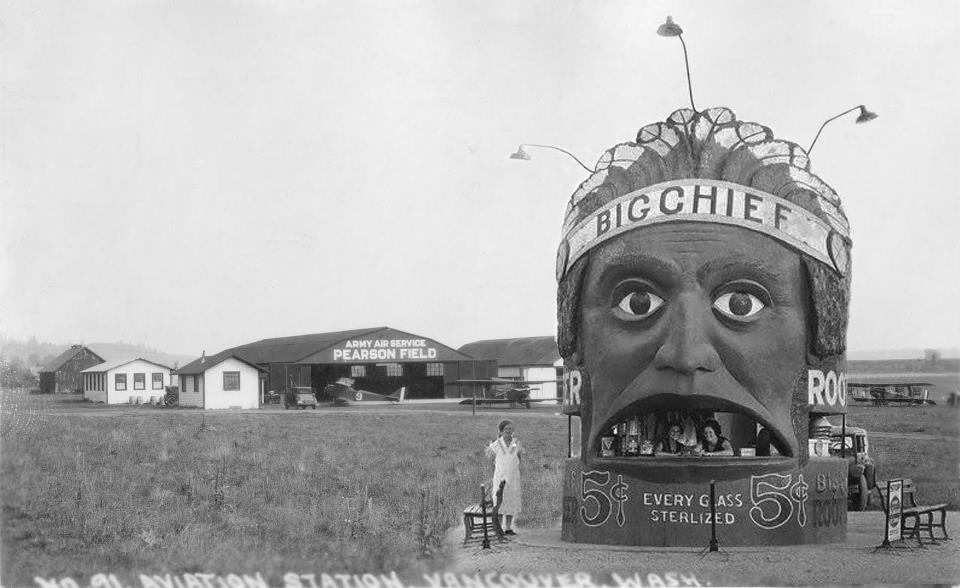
[[864, 116], [521, 154], [672, 29], [669, 29]]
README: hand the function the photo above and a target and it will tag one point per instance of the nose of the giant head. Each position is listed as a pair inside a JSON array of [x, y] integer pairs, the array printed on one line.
[[687, 347]]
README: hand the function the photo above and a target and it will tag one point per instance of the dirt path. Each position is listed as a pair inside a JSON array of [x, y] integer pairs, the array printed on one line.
[[856, 561]]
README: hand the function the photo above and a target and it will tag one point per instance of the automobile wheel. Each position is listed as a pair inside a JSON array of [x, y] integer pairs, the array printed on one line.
[[859, 502], [314, 407]]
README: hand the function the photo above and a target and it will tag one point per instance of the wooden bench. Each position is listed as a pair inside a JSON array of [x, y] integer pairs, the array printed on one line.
[[481, 521], [919, 517]]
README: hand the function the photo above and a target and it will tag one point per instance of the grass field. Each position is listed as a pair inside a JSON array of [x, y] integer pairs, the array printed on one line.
[[932, 459], [185, 491]]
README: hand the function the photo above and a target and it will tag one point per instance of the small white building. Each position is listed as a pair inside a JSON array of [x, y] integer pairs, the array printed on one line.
[[524, 358], [125, 381], [224, 380]]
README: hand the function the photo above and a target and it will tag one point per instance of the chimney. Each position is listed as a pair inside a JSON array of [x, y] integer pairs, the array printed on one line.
[[203, 357]]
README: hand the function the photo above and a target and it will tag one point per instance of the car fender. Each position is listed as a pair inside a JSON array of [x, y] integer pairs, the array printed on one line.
[[870, 473]]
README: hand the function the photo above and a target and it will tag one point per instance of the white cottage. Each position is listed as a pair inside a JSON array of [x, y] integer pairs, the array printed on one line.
[[224, 380], [125, 381]]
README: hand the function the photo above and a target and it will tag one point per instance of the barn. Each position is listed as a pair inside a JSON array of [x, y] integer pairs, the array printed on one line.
[[379, 359], [62, 375], [133, 381], [524, 358]]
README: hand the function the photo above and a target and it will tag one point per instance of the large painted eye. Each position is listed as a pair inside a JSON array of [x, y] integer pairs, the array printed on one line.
[[738, 305], [640, 303]]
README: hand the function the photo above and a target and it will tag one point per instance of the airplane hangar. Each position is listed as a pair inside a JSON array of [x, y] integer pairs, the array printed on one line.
[[379, 359]]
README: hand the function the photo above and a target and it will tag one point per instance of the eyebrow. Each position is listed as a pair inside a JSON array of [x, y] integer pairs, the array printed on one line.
[[751, 267], [631, 261]]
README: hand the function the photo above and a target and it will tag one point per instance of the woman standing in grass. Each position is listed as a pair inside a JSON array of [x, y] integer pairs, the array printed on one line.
[[506, 452]]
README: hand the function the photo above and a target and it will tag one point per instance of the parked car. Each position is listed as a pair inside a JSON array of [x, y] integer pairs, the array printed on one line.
[[861, 472], [300, 397]]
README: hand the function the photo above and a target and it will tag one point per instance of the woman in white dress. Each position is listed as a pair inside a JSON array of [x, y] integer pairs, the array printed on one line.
[[506, 452]]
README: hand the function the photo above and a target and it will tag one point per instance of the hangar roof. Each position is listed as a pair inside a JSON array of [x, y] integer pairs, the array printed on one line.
[[320, 348], [515, 352]]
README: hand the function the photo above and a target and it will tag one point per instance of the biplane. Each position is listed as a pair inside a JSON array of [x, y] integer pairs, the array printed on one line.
[[506, 391], [890, 393], [342, 393]]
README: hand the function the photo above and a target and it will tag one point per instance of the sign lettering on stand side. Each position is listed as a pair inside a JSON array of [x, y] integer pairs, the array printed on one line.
[[894, 510]]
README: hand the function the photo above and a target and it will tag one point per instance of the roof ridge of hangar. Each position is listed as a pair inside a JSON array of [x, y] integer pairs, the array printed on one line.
[[298, 348], [552, 337], [294, 339], [342, 339]]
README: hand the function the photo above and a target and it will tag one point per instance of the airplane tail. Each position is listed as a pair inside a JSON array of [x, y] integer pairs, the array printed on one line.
[[398, 395]]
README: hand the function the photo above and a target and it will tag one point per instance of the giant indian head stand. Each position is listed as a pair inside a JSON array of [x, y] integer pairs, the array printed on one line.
[[704, 272]]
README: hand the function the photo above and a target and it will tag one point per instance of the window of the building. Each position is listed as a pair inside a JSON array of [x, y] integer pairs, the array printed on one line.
[[120, 381], [188, 384], [157, 380], [139, 381], [358, 371], [434, 369], [231, 381], [392, 369]]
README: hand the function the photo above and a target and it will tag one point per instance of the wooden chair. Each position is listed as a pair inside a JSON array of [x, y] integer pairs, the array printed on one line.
[[915, 518], [481, 521]]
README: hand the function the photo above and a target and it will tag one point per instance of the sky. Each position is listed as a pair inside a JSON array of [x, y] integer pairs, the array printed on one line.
[[199, 175]]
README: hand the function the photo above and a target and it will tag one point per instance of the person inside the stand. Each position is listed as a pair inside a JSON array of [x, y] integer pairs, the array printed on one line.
[[713, 441], [671, 445], [506, 452]]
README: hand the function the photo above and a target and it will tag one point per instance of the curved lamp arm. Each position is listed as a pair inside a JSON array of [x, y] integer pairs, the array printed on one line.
[[521, 154], [687, 63], [865, 116]]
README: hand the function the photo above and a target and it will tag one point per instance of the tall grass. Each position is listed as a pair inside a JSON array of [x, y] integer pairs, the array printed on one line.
[[180, 491], [184, 491]]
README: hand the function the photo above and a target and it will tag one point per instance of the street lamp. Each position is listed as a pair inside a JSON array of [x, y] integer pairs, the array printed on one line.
[[865, 116], [521, 154], [672, 29]]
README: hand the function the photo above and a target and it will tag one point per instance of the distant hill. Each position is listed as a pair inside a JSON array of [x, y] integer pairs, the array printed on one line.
[[36, 353], [115, 351], [889, 354], [903, 366]]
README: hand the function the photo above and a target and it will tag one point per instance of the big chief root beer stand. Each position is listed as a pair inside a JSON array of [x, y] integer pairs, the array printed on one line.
[[704, 280]]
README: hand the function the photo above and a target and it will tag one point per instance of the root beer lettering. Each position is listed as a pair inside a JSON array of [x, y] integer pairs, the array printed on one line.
[[826, 389]]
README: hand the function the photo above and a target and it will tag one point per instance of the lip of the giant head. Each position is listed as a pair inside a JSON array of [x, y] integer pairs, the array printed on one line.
[[734, 400]]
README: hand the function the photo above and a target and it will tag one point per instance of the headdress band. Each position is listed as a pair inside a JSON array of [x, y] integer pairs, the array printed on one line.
[[711, 201]]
